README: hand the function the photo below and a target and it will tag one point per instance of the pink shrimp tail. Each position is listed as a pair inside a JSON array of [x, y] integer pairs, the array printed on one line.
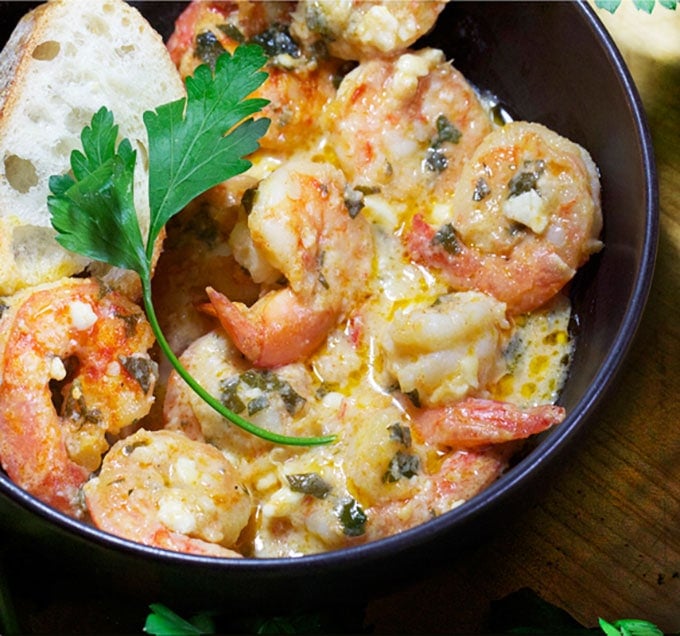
[[277, 330], [459, 265], [477, 422]]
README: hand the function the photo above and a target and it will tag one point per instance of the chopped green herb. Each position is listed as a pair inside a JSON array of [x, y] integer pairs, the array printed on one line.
[[194, 144], [208, 48], [277, 40], [309, 484], [257, 404], [446, 131], [76, 409], [324, 389], [414, 396], [248, 199], [317, 22], [354, 201], [367, 190], [203, 226], [435, 160], [229, 394], [400, 433], [447, 237], [401, 465], [232, 32], [267, 384], [527, 179], [482, 190], [323, 281], [143, 370], [353, 518], [292, 400]]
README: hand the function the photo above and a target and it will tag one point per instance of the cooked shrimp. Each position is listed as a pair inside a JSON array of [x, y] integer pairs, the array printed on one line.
[[526, 215], [75, 370], [477, 422], [401, 481], [276, 401], [299, 82], [456, 478], [360, 29], [405, 126], [445, 350], [162, 489], [301, 224]]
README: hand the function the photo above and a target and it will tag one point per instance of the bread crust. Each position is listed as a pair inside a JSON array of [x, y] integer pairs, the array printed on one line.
[[64, 60]]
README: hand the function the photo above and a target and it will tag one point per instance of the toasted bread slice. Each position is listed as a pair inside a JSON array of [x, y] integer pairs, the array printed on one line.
[[65, 60]]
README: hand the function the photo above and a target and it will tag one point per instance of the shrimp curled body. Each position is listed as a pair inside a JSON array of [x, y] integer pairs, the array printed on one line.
[[358, 30], [526, 215], [75, 369], [299, 81], [163, 489], [301, 225], [406, 125]]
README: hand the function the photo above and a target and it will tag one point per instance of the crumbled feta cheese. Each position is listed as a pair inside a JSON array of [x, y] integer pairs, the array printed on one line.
[[82, 315], [379, 27], [282, 503], [441, 213], [57, 369], [409, 69], [113, 369], [528, 209], [185, 470], [175, 514], [333, 400]]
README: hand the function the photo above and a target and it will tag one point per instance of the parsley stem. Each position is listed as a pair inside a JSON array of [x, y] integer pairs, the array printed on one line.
[[234, 418]]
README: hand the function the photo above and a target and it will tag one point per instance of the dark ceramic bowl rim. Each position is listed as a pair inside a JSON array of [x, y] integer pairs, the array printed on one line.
[[526, 470]]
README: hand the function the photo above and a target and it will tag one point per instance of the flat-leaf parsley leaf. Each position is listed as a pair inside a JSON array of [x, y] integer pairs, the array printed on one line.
[[194, 143]]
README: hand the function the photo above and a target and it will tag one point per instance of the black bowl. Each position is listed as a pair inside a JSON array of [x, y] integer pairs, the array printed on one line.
[[550, 62]]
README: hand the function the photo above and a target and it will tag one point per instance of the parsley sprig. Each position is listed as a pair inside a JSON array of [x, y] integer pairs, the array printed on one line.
[[194, 143]]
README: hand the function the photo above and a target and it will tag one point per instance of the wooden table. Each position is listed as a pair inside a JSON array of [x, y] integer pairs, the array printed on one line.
[[604, 541]]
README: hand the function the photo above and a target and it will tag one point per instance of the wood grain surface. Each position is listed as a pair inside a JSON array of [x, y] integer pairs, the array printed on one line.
[[604, 540]]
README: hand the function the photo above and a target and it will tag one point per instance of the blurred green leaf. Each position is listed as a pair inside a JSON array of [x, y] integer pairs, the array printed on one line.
[[629, 627], [608, 5], [644, 5]]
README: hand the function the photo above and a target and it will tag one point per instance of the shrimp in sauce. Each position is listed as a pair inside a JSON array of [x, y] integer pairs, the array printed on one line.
[[75, 371], [447, 349], [299, 82], [271, 401], [361, 29], [405, 126], [162, 489], [302, 225], [526, 215]]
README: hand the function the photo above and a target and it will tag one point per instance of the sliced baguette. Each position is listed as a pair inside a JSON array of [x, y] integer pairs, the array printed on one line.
[[65, 60]]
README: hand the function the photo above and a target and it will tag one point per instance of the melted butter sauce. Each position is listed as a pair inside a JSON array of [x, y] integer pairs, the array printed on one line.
[[350, 390]]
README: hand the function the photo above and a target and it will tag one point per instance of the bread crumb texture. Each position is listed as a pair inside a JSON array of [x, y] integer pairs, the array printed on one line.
[[63, 62]]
